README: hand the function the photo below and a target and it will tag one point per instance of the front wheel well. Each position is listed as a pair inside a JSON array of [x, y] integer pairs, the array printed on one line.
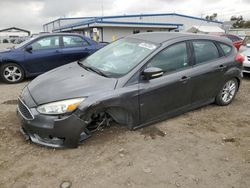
[[103, 117]]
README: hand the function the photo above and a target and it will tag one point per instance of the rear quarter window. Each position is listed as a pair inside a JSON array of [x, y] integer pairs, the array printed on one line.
[[73, 41], [225, 48]]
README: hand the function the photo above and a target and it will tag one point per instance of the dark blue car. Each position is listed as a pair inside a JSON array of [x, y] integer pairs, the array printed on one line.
[[43, 53]]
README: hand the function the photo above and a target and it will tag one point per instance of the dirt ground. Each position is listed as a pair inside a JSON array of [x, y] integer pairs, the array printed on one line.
[[205, 148]]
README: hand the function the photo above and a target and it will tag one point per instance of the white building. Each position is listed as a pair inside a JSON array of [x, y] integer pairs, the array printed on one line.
[[110, 28], [12, 33], [241, 32], [214, 30]]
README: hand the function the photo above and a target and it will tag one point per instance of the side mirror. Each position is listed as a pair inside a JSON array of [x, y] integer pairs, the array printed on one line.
[[152, 72], [28, 48]]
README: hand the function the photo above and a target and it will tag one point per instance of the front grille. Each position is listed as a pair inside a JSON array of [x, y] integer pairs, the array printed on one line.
[[24, 110]]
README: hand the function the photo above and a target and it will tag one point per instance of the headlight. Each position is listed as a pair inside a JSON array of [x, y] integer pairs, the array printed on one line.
[[60, 107]]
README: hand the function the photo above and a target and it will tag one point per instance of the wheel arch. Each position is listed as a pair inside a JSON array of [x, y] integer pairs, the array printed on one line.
[[233, 73], [239, 82], [119, 114]]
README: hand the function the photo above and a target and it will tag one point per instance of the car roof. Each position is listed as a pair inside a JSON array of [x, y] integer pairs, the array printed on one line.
[[161, 37], [59, 34]]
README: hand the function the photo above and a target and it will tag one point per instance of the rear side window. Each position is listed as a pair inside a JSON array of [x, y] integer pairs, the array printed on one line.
[[171, 59], [205, 51], [225, 48], [73, 41]]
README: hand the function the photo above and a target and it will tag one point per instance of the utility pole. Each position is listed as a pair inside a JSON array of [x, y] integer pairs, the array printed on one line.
[[102, 8]]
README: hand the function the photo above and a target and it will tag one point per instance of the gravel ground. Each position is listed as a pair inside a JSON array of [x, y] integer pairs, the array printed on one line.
[[208, 147]]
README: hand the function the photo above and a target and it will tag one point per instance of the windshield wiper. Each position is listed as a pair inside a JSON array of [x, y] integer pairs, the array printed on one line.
[[92, 69]]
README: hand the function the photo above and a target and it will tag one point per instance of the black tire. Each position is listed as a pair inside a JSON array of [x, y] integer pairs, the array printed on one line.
[[15, 72], [225, 96]]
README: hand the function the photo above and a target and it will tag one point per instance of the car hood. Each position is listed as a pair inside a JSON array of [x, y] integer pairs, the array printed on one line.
[[69, 81]]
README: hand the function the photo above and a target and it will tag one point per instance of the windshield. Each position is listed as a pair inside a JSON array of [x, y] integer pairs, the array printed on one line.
[[24, 42], [118, 58]]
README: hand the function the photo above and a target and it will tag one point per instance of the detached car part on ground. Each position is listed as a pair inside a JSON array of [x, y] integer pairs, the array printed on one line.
[[135, 81], [42, 53]]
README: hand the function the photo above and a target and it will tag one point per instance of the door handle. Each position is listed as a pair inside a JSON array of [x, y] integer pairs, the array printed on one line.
[[58, 51], [184, 79], [222, 67]]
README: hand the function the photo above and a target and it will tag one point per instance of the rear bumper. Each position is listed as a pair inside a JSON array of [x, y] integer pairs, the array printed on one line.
[[54, 131]]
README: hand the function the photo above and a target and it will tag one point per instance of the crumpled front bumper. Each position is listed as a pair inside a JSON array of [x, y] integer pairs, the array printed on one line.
[[53, 131]]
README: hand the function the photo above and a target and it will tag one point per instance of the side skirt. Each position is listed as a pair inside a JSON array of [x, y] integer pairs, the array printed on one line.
[[176, 113]]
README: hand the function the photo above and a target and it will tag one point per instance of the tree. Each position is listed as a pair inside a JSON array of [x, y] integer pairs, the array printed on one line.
[[212, 17], [239, 21]]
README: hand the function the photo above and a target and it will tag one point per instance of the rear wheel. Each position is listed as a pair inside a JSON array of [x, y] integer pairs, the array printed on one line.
[[11, 73], [227, 93]]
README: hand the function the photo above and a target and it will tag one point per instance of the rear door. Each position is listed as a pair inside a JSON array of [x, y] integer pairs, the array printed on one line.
[[45, 55], [208, 70], [75, 48], [172, 91]]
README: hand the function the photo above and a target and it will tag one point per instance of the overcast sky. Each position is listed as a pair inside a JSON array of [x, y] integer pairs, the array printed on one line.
[[32, 14]]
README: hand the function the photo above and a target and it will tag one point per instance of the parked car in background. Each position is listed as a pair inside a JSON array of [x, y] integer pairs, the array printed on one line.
[[237, 41], [245, 50], [135, 81], [43, 53]]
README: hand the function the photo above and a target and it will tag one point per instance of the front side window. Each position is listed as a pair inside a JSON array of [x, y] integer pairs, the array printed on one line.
[[205, 51], [46, 43], [171, 59], [120, 57], [73, 41]]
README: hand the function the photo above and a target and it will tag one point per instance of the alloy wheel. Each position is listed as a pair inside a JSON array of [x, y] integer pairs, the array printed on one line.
[[228, 91], [12, 73]]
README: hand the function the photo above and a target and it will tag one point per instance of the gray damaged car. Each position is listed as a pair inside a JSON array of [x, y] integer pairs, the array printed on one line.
[[135, 81]]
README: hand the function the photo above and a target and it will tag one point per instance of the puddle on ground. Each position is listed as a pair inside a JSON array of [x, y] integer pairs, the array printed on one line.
[[10, 102], [152, 132]]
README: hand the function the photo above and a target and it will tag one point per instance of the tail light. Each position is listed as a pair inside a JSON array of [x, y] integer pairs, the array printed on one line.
[[239, 58]]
